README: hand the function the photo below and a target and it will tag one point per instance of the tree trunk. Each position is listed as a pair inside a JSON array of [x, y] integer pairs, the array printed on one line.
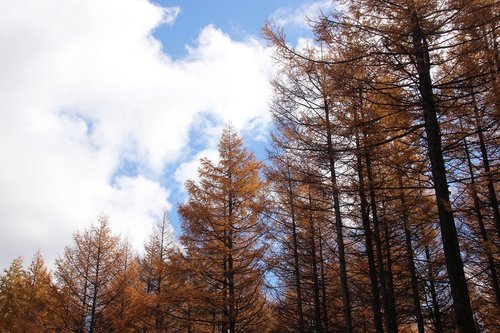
[[482, 228], [435, 304], [388, 313], [346, 298], [317, 306], [296, 267], [85, 291], [232, 305], [323, 282], [411, 262], [389, 276], [451, 247], [96, 287], [368, 243], [486, 165], [225, 305]]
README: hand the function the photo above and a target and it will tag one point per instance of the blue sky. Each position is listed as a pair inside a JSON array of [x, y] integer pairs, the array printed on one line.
[[238, 19], [107, 106]]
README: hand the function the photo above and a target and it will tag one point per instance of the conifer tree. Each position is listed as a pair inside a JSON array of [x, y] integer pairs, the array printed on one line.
[[87, 274], [222, 224], [27, 298], [154, 272], [11, 296]]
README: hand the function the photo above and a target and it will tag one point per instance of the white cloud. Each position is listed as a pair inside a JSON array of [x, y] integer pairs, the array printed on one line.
[[189, 170], [170, 14], [299, 16], [85, 94], [134, 203]]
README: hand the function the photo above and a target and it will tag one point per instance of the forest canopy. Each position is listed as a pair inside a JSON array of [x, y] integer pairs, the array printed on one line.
[[375, 210]]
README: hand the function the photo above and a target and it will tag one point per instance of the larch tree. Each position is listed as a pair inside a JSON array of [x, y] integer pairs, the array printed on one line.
[[11, 297], [285, 261], [153, 273], [223, 229], [386, 60], [413, 40], [27, 298], [87, 276], [307, 128], [39, 294]]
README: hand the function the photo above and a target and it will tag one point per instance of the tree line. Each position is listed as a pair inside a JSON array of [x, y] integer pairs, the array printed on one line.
[[376, 210]]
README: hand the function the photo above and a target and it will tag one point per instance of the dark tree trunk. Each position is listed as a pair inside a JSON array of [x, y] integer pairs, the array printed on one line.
[[324, 303], [230, 268], [317, 305], [411, 262], [486, 165], [225, 305], [482, 228], [389, 316], [451, 247], [232, 304], [368, 243], [296, 267], [346, 298]]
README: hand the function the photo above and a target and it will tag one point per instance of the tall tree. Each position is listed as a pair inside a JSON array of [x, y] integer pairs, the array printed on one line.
[[87, 274], [154, 272], [285, 233], [222, 223]]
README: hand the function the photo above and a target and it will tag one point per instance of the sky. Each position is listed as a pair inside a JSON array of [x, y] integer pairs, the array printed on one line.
[[107, 106]]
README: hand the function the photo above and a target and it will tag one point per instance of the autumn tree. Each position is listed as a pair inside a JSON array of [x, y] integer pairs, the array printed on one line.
[[125, 313], [222, 224], [285, 261], [416, 43], [302, 260], [411, 38], [11, 295], [88, 275], [153, 273], [27, 298], [39, 296]]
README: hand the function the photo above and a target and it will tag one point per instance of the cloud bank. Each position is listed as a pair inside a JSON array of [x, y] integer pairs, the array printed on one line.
[[93, 112]]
